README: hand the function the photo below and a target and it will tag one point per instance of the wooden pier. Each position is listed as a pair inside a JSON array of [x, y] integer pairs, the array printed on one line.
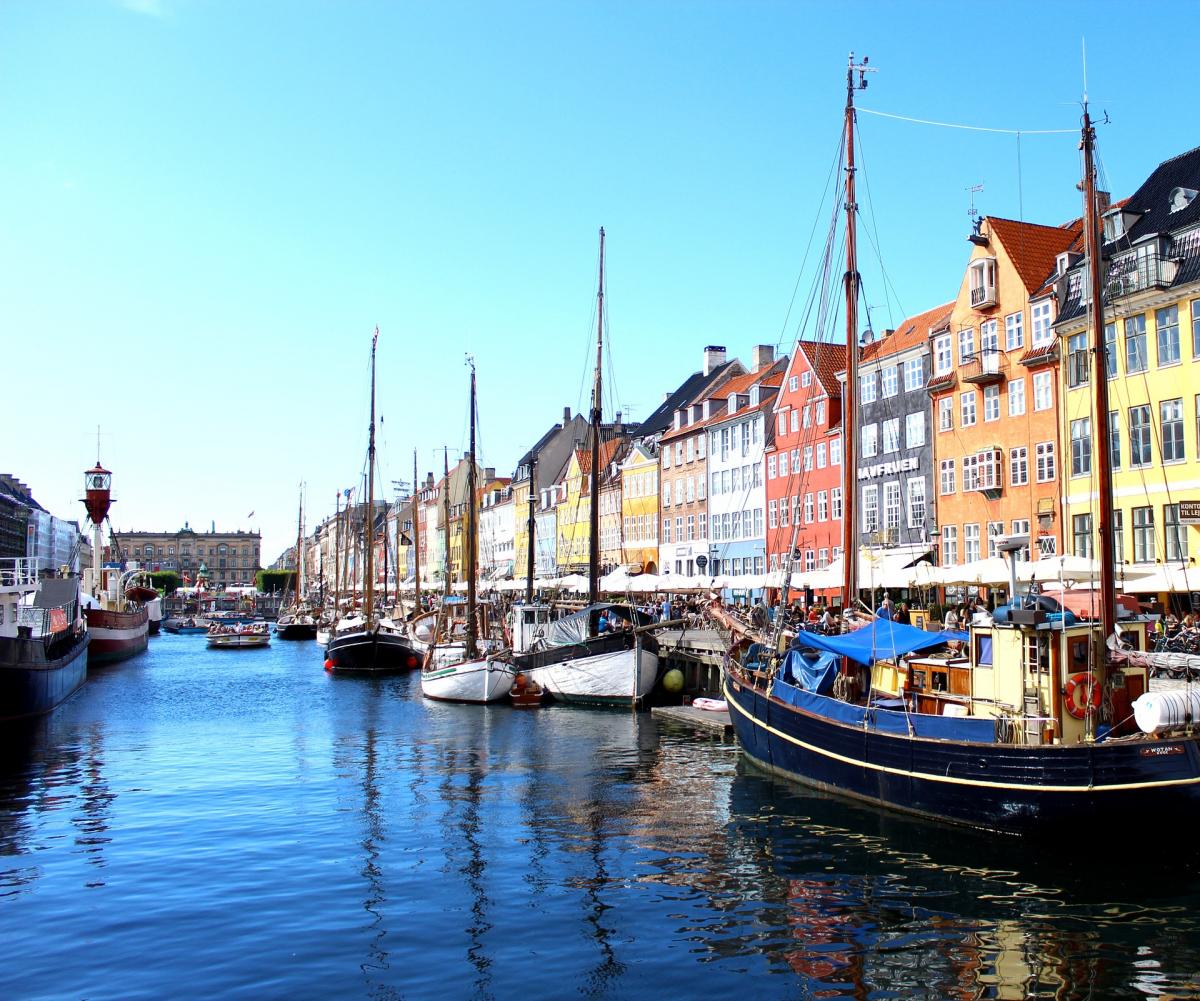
[[698, 653]]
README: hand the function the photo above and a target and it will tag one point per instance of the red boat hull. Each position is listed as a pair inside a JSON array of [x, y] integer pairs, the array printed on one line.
[[116, 635]]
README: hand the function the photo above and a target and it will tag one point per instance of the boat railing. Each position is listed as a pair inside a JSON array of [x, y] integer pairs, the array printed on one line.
[[19, 571], [42, 622]]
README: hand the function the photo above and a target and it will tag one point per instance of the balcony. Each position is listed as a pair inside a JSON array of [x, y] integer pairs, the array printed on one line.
[[1139, 272], [985, 366], [983, 296]]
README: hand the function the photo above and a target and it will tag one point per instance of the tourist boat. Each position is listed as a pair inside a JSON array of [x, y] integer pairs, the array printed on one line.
[[117, 617], [367, 648], [239, 635], [186, 625], [576, 661], [466, 669], [43, 639], [1008, 737]]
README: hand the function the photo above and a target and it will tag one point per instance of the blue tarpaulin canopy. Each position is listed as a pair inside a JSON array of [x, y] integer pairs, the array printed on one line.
[[881, 640]]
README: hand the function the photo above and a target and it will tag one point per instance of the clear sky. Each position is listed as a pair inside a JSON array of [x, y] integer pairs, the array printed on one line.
[[206, 207]]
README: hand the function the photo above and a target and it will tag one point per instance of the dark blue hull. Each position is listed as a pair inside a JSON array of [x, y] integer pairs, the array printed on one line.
[[370, 652], [35, 678], [1018, 789]]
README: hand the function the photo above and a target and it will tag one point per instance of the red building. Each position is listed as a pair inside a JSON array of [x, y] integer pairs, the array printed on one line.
[[804, 460]]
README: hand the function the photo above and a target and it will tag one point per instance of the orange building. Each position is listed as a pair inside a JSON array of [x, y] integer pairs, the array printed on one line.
[[993, 388]]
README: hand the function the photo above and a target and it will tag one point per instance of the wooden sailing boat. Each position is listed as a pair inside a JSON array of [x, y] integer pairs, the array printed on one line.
[[366, 648], [467, 669], [297, 621], [578, 661], [1026, 747]]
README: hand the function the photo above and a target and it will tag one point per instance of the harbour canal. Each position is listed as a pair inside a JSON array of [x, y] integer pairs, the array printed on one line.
[[199, 823]]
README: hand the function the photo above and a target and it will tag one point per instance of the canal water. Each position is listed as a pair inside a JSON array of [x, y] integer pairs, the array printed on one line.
[[238, 824]]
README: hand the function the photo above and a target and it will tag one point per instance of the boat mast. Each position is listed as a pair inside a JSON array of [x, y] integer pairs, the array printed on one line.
[[446, 520], [368, 584], [299, 545], [416, 533], [532, 529], [1091, 228], [850, 393], [594, 533], [472, 527], [337, 554]]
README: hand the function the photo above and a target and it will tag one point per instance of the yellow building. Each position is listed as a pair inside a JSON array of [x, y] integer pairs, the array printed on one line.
[[1152, 357], [575, 511], [639, 509]]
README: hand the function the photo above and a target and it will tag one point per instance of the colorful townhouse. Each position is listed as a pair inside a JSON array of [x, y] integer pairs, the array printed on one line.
[[993, 391], [895, 473], [639, 509], [737, 496], [1151, 301], [497, 528], [803, 460], [574, 511], [612, 534]]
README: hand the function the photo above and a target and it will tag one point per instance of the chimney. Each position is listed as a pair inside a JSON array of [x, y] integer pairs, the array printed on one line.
[[489, 473], [566, 416], [761, 356], [714, 358], [618, 429], [1103, 202]]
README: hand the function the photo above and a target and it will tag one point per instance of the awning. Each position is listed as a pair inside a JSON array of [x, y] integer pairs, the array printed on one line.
[[876, 568], [881, 640]]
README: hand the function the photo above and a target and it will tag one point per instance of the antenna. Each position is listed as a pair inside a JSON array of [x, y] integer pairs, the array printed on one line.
[[973, 190], [862, 69], [1083, 50]]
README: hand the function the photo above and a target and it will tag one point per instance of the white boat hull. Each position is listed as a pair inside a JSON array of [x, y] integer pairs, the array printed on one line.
[[621, 677], [483, 680]]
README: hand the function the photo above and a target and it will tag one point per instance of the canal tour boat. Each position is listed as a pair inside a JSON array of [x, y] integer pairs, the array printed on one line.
[[239, 635], [1029, 730], [466, 668], [43, 639], [114, 603]]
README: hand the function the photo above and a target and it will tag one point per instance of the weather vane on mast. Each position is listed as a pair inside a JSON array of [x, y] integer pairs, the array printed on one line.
[[973, 212]]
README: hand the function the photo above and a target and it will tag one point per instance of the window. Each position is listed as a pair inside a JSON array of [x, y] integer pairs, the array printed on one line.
[[822, 506], [666, 493], [916, 502], [970, 543], [795, 420], [666, 457], [949, 545], [1043, 391], [1166, 323], [946, 479], [1175, 533], [822, 558], [808, 457], [890, 381], [1114, 439], [835, 451], [946, 413], [701, 480], [891, 507], [810, 560], [1039, 315], [1135, 344], [770, 467], [821, 455], [700, 442], [691, 489], [795, 460], [870, 514], [835, 503], [793, 383], [1044, 456], [820, 414], [914, 429], [1196, 328], [1143, 534], [867, 388], [808, 509], [995, 529], [1021, 527], [781, 423], [1014, 331], [970, 472], [1171, 412], [1119, 534], [943, 361], [967, 408], [1018, 466], [966, 345], [1016, 398], [1077, 360], [691, 527], [691, 449], [914, 375], [679, 453], [784, 507], [1081, 447], [772, 514], [703, 526], [1110, 350], [1081, 525], [1139, 436], [666, 532], [991, 403], [891, 435], [806, 379], [870, 438], [736, 529]]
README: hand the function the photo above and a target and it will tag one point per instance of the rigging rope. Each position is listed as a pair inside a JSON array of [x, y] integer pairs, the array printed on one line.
[[969, 128]]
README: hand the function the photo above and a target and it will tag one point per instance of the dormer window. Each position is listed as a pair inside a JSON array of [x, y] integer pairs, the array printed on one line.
[[1181, 198], [732, 402], [982, 277]]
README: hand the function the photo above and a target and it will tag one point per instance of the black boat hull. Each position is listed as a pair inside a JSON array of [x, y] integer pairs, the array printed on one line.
[[296, 631], [360, 651], [1009, 788], [35, 679]]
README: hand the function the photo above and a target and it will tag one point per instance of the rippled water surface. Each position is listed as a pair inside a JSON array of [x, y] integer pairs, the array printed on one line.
[[200, 824]]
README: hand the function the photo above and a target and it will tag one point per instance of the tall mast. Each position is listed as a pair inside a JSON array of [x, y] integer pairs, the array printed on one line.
[[416, 532], [337, 552], [850, 394], [299, 545], [446, 518], [594, 527], [472, 528], [1091, 227], [532, 529], [369, 583]]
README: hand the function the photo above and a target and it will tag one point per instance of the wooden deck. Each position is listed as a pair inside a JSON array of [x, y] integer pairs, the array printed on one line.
[[703, 719]]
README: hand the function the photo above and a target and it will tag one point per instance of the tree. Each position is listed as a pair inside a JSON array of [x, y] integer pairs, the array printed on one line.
[[274, 581], [165, 580]]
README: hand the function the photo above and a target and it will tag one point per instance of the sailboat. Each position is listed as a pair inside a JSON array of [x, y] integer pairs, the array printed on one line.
[[577, 660], [466, 669], [364, 648], [1024, 749], [297, 621]]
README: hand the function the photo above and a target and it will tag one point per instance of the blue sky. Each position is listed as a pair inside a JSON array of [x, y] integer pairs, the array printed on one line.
[[208, 206]]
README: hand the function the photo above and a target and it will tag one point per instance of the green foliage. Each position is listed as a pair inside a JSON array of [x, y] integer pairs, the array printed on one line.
[[275, 581], [165, 580]]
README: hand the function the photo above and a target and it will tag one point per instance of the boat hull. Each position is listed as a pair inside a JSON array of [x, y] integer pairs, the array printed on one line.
[[484, 680], [239, 642], [621, 676], [296, 630], [1009, 788], [359, 651], [116, 636], [36, 678]]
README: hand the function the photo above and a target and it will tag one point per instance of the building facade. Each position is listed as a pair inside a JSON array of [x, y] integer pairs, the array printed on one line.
[[639, 508], [231, 557]]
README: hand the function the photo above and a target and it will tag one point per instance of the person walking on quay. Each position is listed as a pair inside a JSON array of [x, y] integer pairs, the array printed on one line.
[[666, 609], [884, 611], [902, 615]]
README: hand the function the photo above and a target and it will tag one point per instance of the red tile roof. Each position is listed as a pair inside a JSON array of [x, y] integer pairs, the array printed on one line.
[[1033, 248], [911, 332], [607, 450], [826, 359]]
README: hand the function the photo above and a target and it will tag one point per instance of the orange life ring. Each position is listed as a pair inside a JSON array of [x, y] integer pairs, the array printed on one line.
[[1089, 699]]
